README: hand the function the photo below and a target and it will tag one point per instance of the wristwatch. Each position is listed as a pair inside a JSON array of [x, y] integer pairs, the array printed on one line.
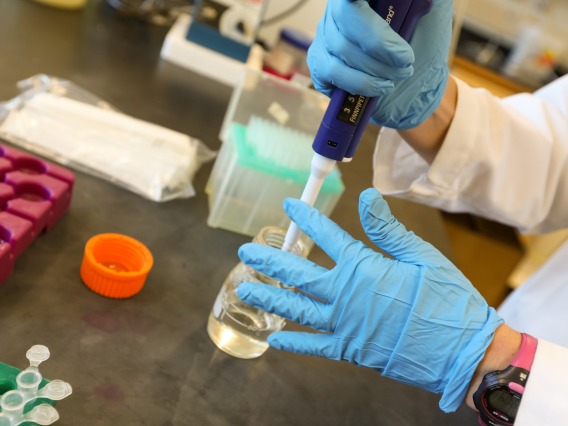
[[499, 395]]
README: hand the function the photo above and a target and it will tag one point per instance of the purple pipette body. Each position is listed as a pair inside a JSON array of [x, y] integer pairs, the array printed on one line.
[[347, 115]]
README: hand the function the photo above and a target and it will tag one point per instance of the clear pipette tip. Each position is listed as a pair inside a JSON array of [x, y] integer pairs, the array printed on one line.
[[321, 167]]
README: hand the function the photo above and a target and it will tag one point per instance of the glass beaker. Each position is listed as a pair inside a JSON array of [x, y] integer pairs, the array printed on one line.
[[240, 329]]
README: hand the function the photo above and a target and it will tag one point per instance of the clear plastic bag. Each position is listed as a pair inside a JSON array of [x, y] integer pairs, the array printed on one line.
[[59, 120]]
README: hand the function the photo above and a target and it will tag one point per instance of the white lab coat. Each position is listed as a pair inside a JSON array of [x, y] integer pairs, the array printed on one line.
[[506, 160]]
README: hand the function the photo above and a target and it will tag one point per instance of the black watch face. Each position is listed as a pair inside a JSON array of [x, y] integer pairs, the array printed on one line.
[[497, 399], [503, 404]]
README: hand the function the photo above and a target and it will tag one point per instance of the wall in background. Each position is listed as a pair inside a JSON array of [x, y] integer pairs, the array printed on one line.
[[501, 20], [504, 20]]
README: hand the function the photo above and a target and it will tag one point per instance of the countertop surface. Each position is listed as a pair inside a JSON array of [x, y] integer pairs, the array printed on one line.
[[148, 360]]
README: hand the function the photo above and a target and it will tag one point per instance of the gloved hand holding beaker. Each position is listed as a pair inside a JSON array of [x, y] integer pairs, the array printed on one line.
[[416, 318], [356, 50]]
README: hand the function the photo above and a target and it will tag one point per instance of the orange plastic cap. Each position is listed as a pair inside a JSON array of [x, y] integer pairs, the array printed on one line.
[[115, 265]]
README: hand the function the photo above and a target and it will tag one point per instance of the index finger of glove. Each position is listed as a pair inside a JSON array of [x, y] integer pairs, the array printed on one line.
[[287, 304], [352, 55], [286, 267], [325, 233], [329, 71], [365, 28]]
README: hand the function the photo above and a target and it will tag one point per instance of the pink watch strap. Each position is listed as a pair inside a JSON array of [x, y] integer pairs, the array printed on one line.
[[525, 356]]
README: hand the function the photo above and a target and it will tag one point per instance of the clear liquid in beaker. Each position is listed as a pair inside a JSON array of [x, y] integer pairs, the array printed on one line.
[[236, 327], [239, 329]]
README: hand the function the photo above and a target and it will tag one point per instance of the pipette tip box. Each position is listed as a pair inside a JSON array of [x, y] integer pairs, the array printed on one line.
[[266, 154]]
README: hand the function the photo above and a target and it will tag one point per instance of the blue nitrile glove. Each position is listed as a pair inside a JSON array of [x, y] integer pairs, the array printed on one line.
[[416, 319], [355, 50]]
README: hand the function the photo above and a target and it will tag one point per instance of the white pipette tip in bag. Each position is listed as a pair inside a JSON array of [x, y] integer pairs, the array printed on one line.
[[321, 167]]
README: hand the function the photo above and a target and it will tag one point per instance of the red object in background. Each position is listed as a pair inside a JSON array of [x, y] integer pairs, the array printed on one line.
[[270, 71]]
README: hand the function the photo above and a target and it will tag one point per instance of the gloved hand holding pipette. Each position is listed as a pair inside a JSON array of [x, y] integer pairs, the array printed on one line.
[[416, 318], [361, 58], [357, 51]]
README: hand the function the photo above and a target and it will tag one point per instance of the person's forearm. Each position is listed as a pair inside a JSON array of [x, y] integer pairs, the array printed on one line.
[[427, 138], [499, 355]]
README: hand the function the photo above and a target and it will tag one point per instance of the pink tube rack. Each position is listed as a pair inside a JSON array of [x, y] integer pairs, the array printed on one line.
[[34, 195]]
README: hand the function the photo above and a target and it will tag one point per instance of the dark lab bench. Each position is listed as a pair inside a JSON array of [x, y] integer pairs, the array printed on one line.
[[148, 360]]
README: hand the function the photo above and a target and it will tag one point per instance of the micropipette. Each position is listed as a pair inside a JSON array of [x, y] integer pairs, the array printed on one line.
[[347, 115]]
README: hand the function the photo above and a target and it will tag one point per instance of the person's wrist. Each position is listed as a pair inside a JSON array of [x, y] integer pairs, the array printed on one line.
[[498, 356], [428, 137]]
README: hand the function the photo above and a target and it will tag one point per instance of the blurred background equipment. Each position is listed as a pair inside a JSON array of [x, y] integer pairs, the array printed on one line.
[[229, 27], [64, 4], [158, 12], [218, 37]]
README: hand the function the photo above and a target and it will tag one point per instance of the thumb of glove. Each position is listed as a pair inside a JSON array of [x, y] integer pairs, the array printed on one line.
[[387, 233]]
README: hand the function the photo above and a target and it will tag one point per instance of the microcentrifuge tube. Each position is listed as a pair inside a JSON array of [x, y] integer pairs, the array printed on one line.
[[43, 414], [37, 354], [55, 390]]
